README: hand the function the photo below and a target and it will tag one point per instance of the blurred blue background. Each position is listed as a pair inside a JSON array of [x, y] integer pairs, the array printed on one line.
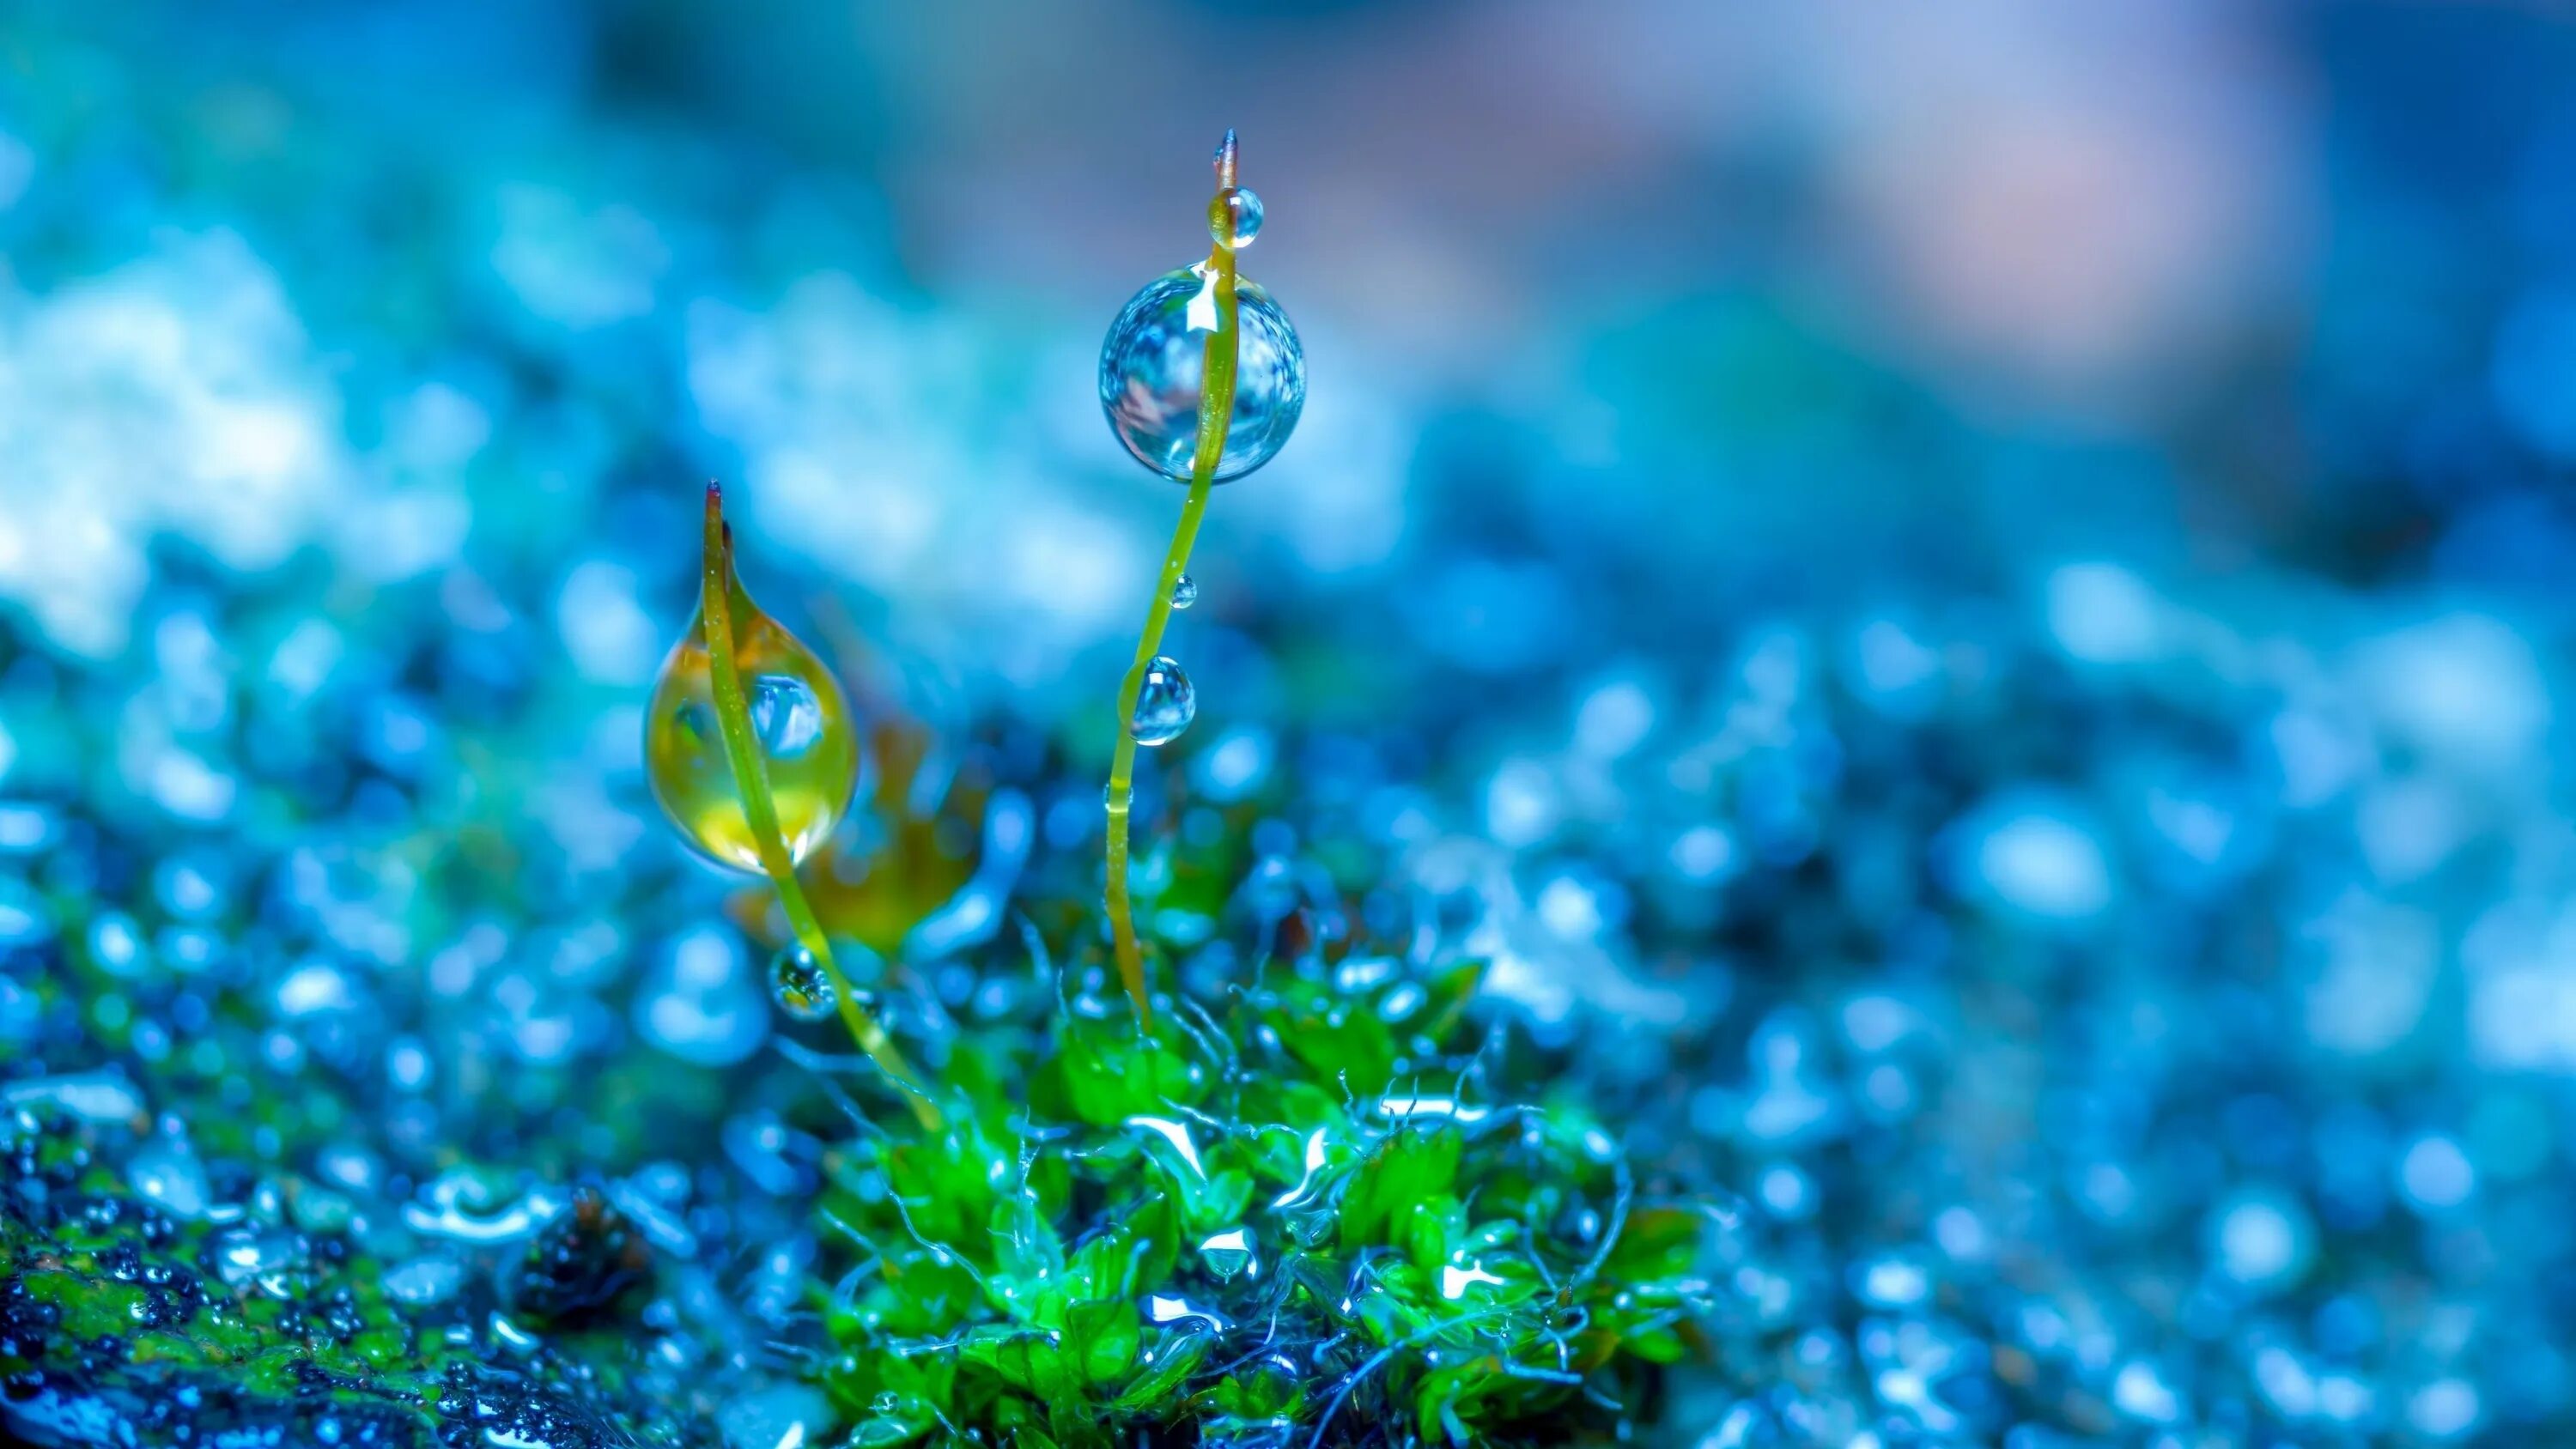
[[1685, 308], [1986, 583]]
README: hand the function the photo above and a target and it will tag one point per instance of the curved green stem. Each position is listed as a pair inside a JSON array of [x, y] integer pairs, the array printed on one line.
[[760, 813], [1216, 411]]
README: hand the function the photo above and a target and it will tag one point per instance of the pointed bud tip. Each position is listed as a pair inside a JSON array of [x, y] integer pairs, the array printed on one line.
[[1226, 152]]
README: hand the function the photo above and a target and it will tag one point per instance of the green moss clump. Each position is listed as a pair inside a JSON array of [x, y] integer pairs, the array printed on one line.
[[1301, 1216]]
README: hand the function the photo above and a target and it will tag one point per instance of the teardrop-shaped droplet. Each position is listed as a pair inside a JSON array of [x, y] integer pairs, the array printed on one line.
[[1185, 592], [1150, 367], [1234, 218], [796, 979], [1165, 704], [1229, 1253], [801, 730]]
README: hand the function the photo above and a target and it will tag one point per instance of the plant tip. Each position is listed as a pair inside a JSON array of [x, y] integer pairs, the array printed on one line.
[[1225, 158]]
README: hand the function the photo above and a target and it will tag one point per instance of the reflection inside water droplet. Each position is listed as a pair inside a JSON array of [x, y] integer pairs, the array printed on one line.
[[785, 715]]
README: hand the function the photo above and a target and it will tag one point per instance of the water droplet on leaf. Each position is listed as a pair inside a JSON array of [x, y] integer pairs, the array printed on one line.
[[1234, 218], [1228, 1253], [1151, 363], [1165, 703], [1185, 592], [797, 980], [801, 729]]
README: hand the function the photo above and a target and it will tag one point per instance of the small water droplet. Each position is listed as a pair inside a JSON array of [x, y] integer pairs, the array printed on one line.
[[797, 980], [425, 1280], [1185, 592], [1151, 362], [1165, 703], [1229, 1253], [1235, 218], [245, 1255]]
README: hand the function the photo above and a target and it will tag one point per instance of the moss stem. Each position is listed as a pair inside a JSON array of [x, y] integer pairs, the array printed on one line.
[[760, 814], [1216, 411]]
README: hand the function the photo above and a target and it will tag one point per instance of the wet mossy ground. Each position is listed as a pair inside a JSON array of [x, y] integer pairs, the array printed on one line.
[[1327, 1197], [1303, 1207], [120, 1324]]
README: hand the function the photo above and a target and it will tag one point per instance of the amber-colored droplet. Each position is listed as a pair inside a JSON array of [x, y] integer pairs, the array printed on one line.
[[808, 748]]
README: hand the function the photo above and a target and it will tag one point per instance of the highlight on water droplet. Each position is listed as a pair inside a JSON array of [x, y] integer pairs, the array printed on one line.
[[798, 982], [801, 726], [1165, 703], [1234, 217], [1185, 592], [1150, 369]]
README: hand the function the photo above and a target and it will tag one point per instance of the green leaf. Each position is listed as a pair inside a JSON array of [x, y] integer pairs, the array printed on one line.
[[1103, 1338], [1443, 1004], [1408, 1165], [1264, 1396], [947, 1187], [1027, 1253], [1168, 1364], [1338, 1038], [1656, 1243], [1111, 1072], [1024, 1358], [1432, 1231], [1134, 1254]]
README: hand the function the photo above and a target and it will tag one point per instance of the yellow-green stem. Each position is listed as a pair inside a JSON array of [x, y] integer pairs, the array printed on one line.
[[760, 813], [1216, 410]]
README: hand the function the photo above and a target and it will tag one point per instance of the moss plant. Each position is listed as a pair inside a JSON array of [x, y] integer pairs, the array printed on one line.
[[1307, 1207], [1216, 410], [1305, 1213], [706, 671]]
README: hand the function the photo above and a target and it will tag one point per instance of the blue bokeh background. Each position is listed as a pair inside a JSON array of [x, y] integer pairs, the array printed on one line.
[[1981, 590]]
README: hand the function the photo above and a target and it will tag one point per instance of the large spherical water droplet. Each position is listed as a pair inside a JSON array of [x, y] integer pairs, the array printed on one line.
[[1165, 704], [801, 729], [797, 980], [1151, 363], [1185, 592], [1234, 218]]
